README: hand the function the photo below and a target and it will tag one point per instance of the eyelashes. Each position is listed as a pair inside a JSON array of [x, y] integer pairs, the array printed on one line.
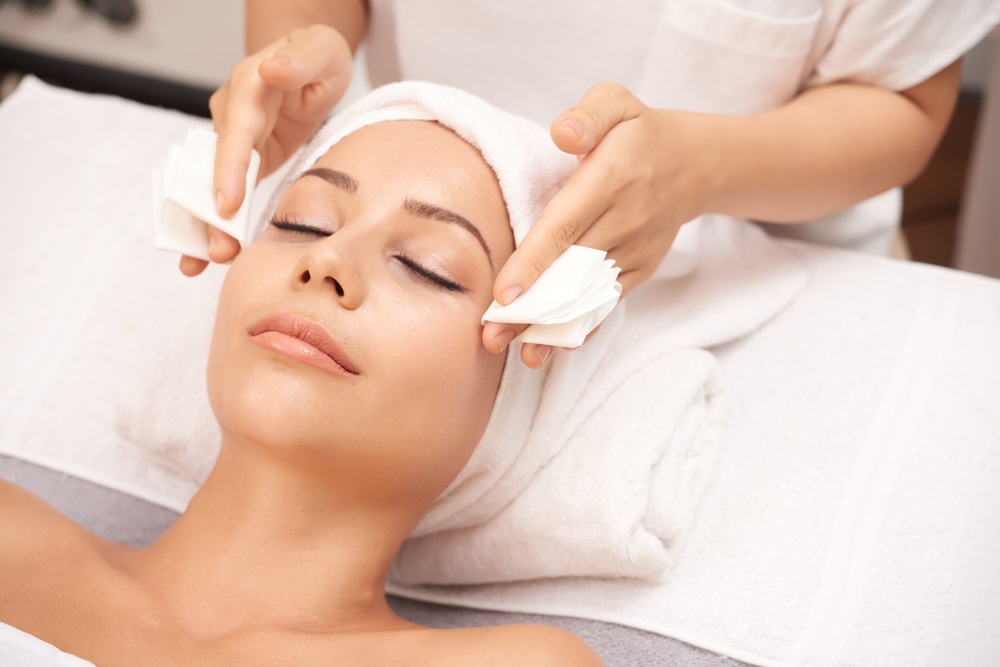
[[429, 276], [288, 225], [414, 267]]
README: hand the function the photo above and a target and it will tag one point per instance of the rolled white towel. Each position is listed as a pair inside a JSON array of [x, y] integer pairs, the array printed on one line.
[[615, 498]]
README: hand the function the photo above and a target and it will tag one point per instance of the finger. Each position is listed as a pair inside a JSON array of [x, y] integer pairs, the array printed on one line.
[[580, 128], [222, 247], [192, 266], [244, 125], [309, 56], [217, 106], [535, 356], [631, 279], [633, 251], [497, 336], [302, 112], [571, 211], [244, 111], [618, 232]]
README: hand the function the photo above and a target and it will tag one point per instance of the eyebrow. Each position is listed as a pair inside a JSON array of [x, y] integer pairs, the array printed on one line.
[[420, 209], [338, 179], [431, 212]]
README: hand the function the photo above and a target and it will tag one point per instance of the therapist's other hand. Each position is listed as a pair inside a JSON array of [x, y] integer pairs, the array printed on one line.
[[274, 101], [642, 173]]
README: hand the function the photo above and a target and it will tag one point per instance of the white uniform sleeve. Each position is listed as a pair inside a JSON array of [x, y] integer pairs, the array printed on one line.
[[896, 44]]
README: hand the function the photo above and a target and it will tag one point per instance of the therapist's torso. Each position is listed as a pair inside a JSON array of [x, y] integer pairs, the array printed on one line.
[[537, 58]]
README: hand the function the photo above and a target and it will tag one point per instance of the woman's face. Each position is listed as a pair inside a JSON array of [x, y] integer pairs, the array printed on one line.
[[382, 258]]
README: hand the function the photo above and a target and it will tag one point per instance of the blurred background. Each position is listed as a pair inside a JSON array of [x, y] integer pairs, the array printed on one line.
[[174, 53]]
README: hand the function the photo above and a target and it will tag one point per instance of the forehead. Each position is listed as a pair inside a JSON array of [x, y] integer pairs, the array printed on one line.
[[427, 161]]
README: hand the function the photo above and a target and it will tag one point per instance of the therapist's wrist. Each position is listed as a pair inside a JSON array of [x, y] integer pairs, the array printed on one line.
[[735, 150], [695, 143]]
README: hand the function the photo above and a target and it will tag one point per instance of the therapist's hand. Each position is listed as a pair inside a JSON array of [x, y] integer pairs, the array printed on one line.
[[274, 101], [642, 173]]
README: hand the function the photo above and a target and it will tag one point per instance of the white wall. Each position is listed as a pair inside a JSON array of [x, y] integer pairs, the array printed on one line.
[[196, 41]]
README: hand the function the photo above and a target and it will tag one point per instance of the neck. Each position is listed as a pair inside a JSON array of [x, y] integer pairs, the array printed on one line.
[[269, 541]]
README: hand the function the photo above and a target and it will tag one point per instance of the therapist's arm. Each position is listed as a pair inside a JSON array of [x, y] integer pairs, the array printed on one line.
[[644, 172], [268, 20], [828, 149]]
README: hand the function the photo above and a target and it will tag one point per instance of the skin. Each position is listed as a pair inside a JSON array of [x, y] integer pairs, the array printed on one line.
[[281, 556], [643, 172]]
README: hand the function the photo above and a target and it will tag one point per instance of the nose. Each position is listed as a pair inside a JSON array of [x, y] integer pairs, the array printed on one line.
[[325, 266]]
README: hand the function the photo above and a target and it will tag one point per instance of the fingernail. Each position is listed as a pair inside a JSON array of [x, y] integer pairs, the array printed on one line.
[[504, 337], [213, 244], [284, 62], [543, 352], [510, 294], [576, 126], [220, 200]]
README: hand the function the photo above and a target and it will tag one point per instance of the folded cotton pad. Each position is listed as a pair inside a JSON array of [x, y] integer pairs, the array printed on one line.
[[567, 302], [184, 198]]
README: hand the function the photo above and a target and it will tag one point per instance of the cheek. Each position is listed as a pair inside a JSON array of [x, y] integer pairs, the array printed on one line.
[[438, 349], [224, 363], [235, 392], [441, 380]]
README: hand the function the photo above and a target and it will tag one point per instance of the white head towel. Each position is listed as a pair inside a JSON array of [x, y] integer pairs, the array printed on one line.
[[528, 166]]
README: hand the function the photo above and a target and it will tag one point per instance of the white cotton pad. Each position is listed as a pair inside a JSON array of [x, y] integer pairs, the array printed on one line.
[[184, 198], [175, 229], [567, 302]]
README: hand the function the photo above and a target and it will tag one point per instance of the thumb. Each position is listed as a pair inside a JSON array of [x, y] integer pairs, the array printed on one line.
[[580, 128], [566, 217], [311, 55]]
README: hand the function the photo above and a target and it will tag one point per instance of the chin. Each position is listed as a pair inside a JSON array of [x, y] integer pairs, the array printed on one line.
[[274, 404]]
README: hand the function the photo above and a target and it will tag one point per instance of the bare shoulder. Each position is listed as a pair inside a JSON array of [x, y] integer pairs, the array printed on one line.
[[29, 526], [21, 509], [528, 645]]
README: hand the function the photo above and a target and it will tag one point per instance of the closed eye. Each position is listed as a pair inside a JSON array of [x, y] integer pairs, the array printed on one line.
[[298, 227], [429, 276], [288, 225]]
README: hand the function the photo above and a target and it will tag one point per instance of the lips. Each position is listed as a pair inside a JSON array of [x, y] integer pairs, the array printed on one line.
[[303, 340]]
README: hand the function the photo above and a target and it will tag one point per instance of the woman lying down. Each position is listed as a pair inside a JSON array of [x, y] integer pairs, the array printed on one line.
[[351, 386]]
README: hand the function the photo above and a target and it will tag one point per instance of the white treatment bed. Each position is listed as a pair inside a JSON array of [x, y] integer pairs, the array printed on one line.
[[853, 517]]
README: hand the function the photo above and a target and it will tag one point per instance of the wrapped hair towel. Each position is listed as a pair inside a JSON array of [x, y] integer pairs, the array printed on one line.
[[593, 466], [527, 164]]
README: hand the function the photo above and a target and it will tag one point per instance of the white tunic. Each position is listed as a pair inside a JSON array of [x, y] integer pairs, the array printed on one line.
[[538, 57]]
